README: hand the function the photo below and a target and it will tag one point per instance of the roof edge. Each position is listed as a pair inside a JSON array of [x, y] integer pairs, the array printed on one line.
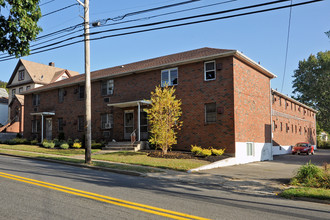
[[293, 100]]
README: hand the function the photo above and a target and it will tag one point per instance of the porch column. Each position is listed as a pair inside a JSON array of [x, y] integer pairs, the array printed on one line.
[[42, 128], [139, 123]]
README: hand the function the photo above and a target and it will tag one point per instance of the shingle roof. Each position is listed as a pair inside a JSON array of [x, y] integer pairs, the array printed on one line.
[[150, 64], [40, 73]]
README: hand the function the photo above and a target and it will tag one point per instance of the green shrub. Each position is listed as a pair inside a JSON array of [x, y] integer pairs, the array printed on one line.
[[70, 142], [97, 145], [76, 141], [76, 145], [19, 141], [196, 150], [48, 144], [310, 175], [217, 152], [64, 145], [323, 145], [34, 142], [206, 152]]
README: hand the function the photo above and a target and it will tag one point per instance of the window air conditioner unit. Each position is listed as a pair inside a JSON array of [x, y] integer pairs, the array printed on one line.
[[107, 125]]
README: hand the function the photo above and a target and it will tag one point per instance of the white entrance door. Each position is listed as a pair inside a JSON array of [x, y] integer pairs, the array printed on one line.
[[49, 128], [128, 124]]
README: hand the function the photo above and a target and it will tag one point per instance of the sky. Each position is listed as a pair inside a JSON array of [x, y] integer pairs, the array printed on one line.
[[262, 36]]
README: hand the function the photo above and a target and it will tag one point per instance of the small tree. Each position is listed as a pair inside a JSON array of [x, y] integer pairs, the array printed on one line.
[[164, 117]]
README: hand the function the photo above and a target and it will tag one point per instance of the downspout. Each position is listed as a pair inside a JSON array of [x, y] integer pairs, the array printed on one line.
[[139, 124], [42, 128], [271, 119]]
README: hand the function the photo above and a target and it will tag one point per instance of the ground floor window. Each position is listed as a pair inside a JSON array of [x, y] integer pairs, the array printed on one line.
[[81, 123], [210, 113], [35, 126], [106, 121], [60, 124], [249, 149]]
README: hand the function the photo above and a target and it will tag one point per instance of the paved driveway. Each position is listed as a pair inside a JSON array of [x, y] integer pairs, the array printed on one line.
[[280, 170]]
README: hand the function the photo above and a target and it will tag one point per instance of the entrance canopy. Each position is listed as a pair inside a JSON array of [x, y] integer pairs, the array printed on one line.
[[137, 103], [42, 114], [130, 104]]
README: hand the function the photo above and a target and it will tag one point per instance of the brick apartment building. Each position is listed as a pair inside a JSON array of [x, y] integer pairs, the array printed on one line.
[[226, 102], [292, 122]]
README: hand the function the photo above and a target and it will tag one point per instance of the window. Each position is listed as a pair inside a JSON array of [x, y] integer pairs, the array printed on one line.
[[20, 90], [35, 126], [210, 112], [13, 92], [106, 121], [28, 87], [81, 123], [60, 95], [107, 87], [292, 128], [295, 128], [300, 130], [143, 120], [170, 77], [281, 126], [287, 127], [21, 74], [249, 149], [36, 99], [209, 71], [60, 124], [81, 92], [280, 101], [274, 126]]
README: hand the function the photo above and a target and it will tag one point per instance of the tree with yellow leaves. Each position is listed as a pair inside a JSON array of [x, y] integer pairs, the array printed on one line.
[[163, 117]]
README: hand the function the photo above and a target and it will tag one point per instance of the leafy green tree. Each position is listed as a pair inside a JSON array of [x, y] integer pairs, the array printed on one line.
[[3, 85], [163, 117], [18, 22], [312, 86]]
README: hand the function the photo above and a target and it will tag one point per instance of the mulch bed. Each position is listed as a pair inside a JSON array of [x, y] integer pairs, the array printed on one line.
[[184, 155]]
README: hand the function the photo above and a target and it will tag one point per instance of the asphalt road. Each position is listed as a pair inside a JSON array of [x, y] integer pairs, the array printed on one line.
[[23, 198]]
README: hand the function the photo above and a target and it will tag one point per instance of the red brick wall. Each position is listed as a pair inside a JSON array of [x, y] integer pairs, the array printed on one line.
[[298, 122], [191, 89], [17, 109], [252, 104]]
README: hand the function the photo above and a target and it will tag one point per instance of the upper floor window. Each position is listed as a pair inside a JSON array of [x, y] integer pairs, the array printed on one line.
[[209, 71], [170, 77], [13, 92], [36, 99], [28, 87], [60, 95], [81, 92], [107, 87], [21, 75], [210, 113], [20, 90]]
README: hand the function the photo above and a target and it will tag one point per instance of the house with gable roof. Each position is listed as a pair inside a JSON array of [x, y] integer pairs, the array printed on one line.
[[29, 75]]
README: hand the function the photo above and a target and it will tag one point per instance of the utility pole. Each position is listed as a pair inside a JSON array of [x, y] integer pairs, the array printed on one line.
[[88, 125]]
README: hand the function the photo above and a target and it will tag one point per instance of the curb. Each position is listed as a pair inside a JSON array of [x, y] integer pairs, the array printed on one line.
[[125, 172]]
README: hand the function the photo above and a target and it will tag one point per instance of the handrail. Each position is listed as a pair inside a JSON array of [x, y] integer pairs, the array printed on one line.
[[133, 136]]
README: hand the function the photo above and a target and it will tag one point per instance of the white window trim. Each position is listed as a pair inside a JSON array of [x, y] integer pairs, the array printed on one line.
[[169, 76], [108, 121], [215, 71]]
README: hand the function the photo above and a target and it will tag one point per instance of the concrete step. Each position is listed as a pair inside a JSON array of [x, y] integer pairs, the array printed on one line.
[[119, 146]]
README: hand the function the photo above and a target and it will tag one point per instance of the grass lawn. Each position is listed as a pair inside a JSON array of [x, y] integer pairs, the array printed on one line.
[[316, 193], [141, 158], [37, 149]]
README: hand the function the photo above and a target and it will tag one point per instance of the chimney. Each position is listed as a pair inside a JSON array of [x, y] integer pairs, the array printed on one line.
[[51, 64]]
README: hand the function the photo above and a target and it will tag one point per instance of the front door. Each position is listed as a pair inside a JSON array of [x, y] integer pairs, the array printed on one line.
[[128, 124], [49, 128]]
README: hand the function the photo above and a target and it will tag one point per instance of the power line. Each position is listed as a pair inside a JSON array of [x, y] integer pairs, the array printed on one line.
[[287, 47], [169, 26], [58, 10], [47, 2]]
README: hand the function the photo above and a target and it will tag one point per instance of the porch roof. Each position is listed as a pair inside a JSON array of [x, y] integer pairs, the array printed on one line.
[[43, 113], [130, 104]]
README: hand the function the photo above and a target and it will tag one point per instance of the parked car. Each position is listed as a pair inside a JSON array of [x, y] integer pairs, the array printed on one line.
[[303, 147]]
